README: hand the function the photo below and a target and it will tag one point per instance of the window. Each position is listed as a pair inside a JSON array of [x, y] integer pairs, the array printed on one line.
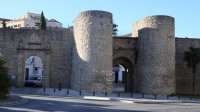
[[37, 24], [35, 70]]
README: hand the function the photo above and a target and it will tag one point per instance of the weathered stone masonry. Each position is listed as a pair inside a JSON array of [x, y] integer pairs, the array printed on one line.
[[52, 46], [156, 55], [93, 51], [82, 57]]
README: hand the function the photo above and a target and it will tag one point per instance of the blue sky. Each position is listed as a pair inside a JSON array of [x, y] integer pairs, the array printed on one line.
[[125, 12]]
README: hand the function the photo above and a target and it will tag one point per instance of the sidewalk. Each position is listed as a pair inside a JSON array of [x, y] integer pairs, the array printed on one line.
[[144, 101], [122, 97]]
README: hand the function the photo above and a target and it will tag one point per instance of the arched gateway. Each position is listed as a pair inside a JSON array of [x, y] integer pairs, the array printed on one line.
[[52, 46], [26, 53]]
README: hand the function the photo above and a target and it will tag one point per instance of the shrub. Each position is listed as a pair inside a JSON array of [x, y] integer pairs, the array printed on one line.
[[4, 80]]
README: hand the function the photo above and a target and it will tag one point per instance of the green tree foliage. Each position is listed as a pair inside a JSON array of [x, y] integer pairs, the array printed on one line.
[[43, 22], [4, 24], [192, 57], [115, 30], [4, 80]]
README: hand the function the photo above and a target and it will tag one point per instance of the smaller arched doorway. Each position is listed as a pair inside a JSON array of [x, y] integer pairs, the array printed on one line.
[[33, 71], [123, 75]]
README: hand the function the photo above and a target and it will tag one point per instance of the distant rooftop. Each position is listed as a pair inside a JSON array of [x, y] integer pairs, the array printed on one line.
[[1, 19], [53, 20], [126, 35]]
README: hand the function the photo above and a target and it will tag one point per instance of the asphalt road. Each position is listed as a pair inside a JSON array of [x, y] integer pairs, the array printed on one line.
[[39, 103]]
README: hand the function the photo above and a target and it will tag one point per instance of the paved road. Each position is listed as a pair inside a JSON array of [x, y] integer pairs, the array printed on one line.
[[38, 103]]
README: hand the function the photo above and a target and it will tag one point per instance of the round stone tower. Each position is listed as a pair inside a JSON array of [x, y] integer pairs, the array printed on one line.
[[156, 55], [92, 62]]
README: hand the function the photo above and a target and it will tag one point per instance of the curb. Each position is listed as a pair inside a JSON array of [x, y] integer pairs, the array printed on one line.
[[97, 98], [131, 101], [13, 102]]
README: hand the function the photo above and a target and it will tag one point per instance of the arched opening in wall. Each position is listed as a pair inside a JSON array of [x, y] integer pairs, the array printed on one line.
[[33, 72], [123, 75]]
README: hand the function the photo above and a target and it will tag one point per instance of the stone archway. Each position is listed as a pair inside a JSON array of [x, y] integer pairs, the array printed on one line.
[[128, 72], [23, 54]]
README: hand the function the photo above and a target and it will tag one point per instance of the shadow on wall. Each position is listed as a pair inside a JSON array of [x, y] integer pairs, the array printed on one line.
[[92, 53], [82, 80]]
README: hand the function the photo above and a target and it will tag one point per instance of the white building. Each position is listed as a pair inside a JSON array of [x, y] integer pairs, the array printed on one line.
[[31, 20], [119, 69], [33, 68]]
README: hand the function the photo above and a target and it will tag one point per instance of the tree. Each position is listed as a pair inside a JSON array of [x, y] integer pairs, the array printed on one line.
[[4, 80], [43, 21], [3, 24], [115, 30], [192, 57]]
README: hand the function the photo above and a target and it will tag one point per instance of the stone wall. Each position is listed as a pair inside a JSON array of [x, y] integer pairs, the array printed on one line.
[[156, 55], [183, 72], [157, 69], [52, 46], [93, 51], [124, 47], [8, 49]]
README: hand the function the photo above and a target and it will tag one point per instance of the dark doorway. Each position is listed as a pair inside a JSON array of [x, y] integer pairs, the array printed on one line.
[[27, 74]]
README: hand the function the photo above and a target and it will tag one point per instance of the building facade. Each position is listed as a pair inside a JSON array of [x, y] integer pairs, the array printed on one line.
[[31, 20], [82, 57]]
